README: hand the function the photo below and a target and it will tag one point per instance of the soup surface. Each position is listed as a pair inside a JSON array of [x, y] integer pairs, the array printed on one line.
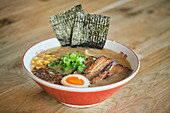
[[40, 63]]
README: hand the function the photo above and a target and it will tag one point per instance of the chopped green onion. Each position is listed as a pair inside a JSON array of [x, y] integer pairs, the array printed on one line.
[[73, 57], [51, 73], [51, 65], [71, 61], [93, 60], [57, 52], [66, 60], [73, 65]]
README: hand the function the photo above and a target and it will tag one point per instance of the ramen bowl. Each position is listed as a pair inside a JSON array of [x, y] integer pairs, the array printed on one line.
[[80, 97]]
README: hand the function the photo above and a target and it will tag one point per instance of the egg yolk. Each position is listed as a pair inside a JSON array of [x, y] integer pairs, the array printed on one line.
[[74, 80]]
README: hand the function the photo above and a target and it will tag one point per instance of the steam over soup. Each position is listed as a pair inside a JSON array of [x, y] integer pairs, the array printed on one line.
[[80, 67]]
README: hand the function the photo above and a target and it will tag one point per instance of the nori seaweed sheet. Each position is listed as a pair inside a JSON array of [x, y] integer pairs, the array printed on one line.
[[90, 30], [62, 24], [78, 30]]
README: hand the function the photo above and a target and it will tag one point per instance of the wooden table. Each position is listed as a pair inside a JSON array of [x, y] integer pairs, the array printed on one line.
[[142, 25]]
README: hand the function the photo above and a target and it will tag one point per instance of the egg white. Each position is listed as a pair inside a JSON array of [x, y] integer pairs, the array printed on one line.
[[86, 81]]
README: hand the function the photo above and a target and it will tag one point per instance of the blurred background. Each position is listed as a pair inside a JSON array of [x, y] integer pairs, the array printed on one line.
[[142, 25]]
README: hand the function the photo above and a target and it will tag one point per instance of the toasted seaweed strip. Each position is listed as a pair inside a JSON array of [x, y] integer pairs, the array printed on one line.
[[62, 24], [90, 30], [100, 30], [78, 30]]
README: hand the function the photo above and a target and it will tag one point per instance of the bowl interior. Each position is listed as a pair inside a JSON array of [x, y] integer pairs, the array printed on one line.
[[53, 42]]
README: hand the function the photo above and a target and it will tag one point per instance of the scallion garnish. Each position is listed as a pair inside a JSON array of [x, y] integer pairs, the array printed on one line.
[[51, 73], [93, 60], [70, 61]]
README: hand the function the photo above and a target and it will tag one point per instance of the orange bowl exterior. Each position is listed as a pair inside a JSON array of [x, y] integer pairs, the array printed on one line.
[[79, 98]]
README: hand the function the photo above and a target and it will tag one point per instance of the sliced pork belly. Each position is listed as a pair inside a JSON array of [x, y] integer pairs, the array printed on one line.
[[98, 66], [104, 74], [113, 73], [89, 61]]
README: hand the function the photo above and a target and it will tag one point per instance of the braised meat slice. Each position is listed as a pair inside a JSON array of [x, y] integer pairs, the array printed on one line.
[[98, 66], [113, 73], [103, 74], [88, 61]]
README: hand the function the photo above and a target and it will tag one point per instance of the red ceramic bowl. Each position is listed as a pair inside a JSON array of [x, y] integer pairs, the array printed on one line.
[[79, 97]]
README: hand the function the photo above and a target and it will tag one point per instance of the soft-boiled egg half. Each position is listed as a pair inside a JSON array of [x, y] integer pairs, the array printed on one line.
[[75, 80]]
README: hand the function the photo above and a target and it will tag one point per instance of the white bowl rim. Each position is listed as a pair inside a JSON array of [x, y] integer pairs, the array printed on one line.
[[88, 89]]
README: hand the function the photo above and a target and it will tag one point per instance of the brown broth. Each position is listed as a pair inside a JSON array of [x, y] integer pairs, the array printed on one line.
[[55, 53]]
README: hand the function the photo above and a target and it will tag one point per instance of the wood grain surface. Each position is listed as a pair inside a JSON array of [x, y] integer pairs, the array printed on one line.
[[142, 25]]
